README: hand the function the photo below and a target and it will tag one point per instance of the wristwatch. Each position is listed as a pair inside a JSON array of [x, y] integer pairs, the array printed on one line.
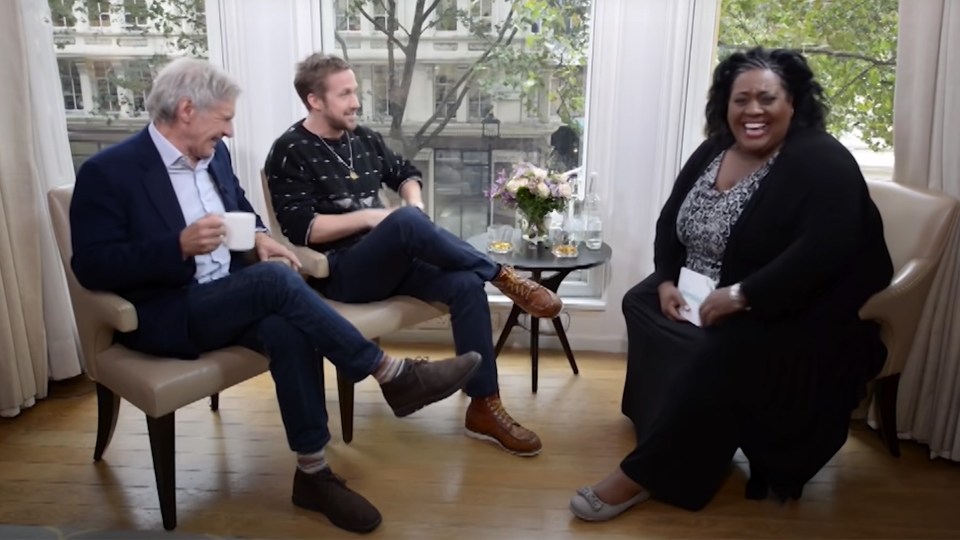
[[736, 295]]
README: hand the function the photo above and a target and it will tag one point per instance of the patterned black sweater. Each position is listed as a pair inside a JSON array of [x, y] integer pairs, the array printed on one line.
[[306, 178]]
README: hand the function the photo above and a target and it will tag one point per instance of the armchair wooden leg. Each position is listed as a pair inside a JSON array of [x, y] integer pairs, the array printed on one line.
[[345, 392], [215, 402], [108, 408], [161, 431], [886, 391]]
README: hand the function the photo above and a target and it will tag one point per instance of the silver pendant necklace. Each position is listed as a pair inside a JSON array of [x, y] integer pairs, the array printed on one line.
[[353, 173]]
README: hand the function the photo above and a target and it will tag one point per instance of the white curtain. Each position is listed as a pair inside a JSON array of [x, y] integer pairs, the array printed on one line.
[[37, 331], [927, 150]]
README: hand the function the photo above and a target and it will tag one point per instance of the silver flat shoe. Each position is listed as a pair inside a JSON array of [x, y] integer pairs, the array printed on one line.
[[588, 507]]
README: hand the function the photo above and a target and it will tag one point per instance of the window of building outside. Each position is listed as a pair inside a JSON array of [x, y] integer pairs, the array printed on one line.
[[137, 80], [347, 18], [108, 96], [70, 83], [482, 13], [446, 16], [470, 72], [98, 13], [135, 12], [379, 12], [62, 14], [444, 90], [852, 47], [380, 93], [480, 104]]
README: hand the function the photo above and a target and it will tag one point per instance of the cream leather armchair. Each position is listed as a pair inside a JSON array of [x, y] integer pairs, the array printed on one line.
[[915, 224], [156, 386]]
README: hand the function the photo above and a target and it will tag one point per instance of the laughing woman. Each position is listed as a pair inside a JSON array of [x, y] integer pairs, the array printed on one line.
[[776, 212]]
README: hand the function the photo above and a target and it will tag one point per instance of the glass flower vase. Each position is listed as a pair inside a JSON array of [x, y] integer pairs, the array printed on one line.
[[533, 228]]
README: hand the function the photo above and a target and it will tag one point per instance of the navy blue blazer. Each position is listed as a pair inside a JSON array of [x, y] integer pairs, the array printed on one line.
[[125, 223]]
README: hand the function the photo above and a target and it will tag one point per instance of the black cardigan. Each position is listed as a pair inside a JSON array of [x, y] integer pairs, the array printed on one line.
[[810, 232]]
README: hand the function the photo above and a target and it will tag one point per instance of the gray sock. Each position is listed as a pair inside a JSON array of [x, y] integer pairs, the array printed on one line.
[[312, 463]]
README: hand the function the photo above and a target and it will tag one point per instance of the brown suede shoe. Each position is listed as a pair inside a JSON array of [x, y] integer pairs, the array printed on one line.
[[422, 382], [327, 493], [487, 420], [532, 297]]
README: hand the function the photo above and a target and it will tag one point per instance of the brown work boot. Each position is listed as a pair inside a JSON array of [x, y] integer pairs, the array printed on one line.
[[487, 420], [327, 493], [529, 295], [422, 382]]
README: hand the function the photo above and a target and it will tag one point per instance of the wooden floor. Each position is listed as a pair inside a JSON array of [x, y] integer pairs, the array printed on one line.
[[234, 470]]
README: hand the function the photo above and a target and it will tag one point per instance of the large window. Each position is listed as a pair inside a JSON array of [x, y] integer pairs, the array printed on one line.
[[852, 47], [475, 67]]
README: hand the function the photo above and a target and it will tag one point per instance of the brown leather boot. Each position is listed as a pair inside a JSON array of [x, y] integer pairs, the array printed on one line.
[[487, 420], [327, 493], [530, 296], [422, 382]]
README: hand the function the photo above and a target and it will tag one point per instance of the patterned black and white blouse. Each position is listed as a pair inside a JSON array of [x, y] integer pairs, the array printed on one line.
[[707, 215]]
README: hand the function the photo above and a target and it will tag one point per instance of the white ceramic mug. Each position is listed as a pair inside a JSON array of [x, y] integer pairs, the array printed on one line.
[[241, 230]]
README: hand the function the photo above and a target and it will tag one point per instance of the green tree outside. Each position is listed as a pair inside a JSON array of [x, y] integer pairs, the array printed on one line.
[[850, 44]]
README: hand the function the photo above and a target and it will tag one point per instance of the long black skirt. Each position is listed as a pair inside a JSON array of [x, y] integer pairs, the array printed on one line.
[[778, 390]]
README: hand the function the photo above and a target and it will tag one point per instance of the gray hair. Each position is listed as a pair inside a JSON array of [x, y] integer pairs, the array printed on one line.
[[199, 81]]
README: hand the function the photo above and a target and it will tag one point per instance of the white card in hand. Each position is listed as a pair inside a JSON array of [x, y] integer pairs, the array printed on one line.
[[695, 287]]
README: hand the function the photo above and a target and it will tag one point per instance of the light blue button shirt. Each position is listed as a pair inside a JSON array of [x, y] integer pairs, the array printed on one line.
[[198, 196]]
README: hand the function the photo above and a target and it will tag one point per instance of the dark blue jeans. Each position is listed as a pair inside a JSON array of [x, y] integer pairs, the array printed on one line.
[[268, 307], [407, 254]]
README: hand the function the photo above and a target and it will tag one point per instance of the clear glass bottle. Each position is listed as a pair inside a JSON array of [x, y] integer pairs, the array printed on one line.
[[592, 215]]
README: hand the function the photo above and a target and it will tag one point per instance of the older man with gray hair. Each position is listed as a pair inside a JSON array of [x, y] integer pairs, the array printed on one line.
[[147, 219]]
